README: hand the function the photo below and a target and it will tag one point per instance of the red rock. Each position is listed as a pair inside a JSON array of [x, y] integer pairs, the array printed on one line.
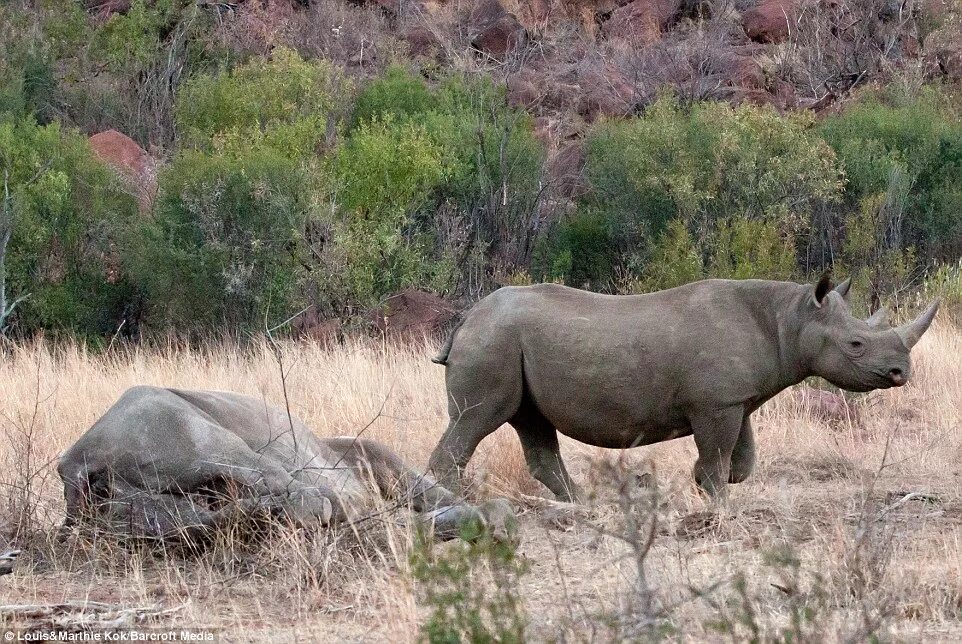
[[522, 91], [744, 71], [421, 40], [641, 21], [943, 52], [604, 92], [564, 97], [137, 169], [412, 315], [310, 325], [494, 30], [770, 21]]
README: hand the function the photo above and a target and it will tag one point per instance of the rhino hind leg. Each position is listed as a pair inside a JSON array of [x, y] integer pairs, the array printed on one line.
[[539, 440], [716, 434], [743, 455], [485, 383], [393, 478]]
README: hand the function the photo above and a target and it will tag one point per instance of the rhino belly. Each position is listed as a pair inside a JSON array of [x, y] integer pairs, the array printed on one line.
[[607, 417]]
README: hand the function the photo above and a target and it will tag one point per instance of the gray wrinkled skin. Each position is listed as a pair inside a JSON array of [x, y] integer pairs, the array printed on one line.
[[169, 462], [622, 371]]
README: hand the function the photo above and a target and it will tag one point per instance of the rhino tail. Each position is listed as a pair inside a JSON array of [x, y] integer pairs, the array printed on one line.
[[442, 357]]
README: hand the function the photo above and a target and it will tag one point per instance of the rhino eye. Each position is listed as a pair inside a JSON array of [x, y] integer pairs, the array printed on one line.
[[855, 344]]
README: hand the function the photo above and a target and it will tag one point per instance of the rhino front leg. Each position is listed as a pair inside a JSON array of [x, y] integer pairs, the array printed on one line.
[[716, 434], [743, 456]]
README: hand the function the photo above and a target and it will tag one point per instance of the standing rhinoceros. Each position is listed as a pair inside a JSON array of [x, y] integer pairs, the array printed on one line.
[[169, 462], [622, 371]]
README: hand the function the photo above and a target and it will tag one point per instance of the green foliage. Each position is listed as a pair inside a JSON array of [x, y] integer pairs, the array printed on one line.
[[132, 39], [492, 159], [675, 260], [746, 248], [385, 172], [466, 607], [701, 166], [227, 243], [912, 145], [230, 239], [26, 66], [398, 93], [580, 251], [68, 219], [708, 162], [283, 102]]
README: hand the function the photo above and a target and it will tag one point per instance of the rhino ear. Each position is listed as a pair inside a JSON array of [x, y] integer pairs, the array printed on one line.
[[842, 289], [823, 288]]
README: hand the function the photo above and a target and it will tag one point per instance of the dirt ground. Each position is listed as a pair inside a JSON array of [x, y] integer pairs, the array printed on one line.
[[851, 526]]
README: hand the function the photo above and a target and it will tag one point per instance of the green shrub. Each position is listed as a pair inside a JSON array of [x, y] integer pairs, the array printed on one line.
[[912, 145], [752, 249], [69, 222], [284, 102], [227, 243], [385, 172], [675, 260], [27, 59], [702, 166], [398, 93], [492, 160], [466, 607], [579, 252]]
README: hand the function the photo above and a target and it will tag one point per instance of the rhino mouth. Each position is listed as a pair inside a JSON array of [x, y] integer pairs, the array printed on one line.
[[887, 380]]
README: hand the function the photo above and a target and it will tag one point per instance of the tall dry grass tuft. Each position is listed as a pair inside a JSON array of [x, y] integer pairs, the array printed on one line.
[[867, 503]]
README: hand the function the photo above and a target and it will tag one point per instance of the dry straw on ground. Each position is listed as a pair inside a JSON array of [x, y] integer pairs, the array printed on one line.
[[852, 519]]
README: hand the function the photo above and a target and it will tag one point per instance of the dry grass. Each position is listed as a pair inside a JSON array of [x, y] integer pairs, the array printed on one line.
[[820, 493]]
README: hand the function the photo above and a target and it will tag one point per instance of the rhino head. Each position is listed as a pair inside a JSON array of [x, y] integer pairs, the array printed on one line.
[[854, 354]]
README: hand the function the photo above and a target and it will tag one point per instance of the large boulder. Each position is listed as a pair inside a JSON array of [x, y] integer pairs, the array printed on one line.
[[136, 169], [604, 92], [421, 40], [641, 21], [412, 315], [770, 21], [494, 30], [313, 326], [943, 52]]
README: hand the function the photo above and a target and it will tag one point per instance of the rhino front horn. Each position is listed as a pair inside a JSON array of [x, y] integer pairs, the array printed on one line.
[[911, 332]]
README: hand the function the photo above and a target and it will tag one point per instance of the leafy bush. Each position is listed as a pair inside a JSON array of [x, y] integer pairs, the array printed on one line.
[[580, 252], [463, 607], [230, 240], [675, 260], [911, 145], [227, 244], [746, 248], [284, 102], [68, 221], [493, 160], [701, 166], [385, 172]]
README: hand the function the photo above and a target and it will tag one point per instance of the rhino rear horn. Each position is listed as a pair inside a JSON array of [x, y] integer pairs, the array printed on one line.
[[842, 289], [912, 331], [879, 319]]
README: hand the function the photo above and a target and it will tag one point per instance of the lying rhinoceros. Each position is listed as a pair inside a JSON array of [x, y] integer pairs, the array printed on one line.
[[169, 462], [622, 371]]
